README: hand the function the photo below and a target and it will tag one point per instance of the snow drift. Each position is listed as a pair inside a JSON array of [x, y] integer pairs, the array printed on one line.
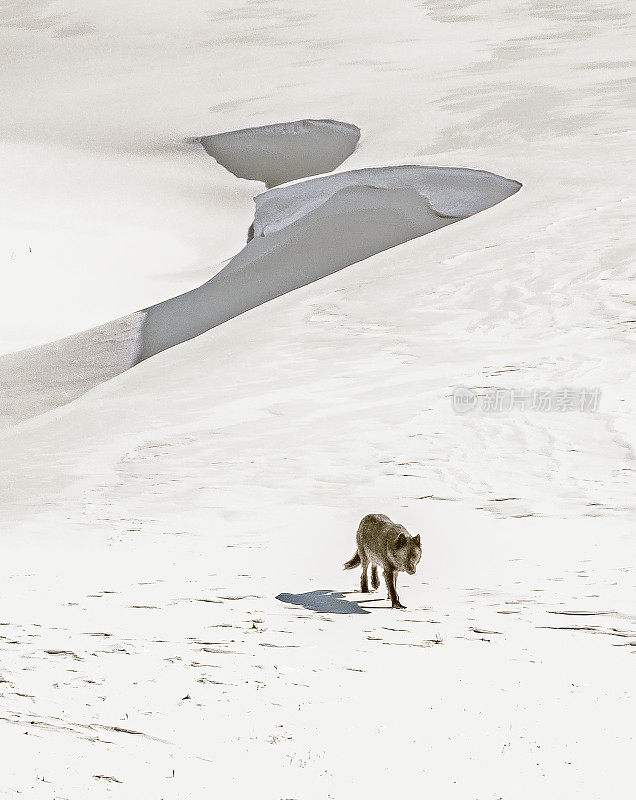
[[314, 228], [451, 192], [303, 232]]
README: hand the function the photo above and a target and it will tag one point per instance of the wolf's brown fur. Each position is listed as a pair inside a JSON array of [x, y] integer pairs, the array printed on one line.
[[384, 543]]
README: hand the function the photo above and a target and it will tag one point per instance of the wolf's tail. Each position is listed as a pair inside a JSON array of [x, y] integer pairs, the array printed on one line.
[[353, 562]]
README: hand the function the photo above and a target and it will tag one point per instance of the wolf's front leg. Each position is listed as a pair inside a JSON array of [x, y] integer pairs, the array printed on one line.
[[390, 576]]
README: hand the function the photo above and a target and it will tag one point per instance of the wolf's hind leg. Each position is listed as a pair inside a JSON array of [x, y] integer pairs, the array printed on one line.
[[364, 583], [375, 580]]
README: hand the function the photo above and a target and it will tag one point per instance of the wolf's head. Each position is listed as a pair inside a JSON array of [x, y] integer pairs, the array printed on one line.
[[408, 551]]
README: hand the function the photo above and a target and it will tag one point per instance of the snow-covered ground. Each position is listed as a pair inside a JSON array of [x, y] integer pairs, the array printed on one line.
[[174, 617]]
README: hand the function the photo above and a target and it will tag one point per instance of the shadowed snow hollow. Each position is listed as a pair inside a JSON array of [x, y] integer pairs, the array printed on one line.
[[284, 152]]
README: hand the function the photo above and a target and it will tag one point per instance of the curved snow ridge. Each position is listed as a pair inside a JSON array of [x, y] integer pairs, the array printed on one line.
[[285, 151], [304, 231], [308, 230], [454, 192]]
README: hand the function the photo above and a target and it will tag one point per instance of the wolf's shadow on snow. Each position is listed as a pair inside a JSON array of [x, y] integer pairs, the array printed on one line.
[[324, 600]]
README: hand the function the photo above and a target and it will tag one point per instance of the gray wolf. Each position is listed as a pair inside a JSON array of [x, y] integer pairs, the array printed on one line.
[[383, 543]]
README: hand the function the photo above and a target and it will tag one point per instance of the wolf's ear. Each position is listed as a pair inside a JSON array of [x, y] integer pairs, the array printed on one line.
[[400, 541], [416, 539]]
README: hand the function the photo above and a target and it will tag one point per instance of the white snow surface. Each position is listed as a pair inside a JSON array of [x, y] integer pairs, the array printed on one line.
[[150, 525]]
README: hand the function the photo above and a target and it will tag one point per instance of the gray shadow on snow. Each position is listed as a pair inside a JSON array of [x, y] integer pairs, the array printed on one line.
[[323, 600]]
